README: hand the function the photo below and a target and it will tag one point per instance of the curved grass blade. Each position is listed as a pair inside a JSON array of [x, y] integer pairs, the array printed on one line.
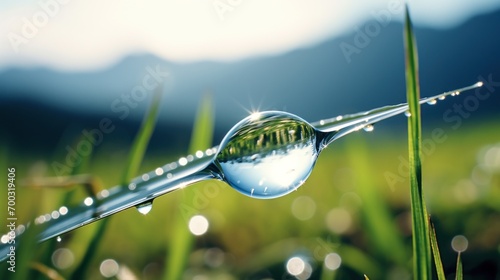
[[420, 228]]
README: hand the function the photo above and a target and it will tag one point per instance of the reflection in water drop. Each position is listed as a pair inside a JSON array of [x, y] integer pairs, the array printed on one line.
[[268, 155], [459, 243], [59, 239], [145, 208], [109, 268], [407, 113]]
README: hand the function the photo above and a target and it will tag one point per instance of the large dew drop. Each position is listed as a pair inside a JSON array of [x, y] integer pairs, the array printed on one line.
[[268, 154]]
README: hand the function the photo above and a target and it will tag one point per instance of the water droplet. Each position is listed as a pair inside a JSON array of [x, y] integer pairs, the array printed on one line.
[[88, 201], [432, 102], [145, 207], [408, 114], [183, 161], [368, 127], [159, 171], [442, 97], [284, 159], [59, 239]]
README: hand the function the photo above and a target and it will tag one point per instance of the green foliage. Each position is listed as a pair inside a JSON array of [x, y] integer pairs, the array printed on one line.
[[459, 273], [181, 242], [421, 242], [436, 254]]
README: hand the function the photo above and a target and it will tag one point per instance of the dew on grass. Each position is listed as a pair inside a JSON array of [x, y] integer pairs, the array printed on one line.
[[145, 207], [266, 155], [432, 102], [368, 128]]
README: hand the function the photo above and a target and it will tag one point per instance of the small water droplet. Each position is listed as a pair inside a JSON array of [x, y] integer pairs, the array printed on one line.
[[368, 127], [432, 102], [145, 208], [442, 97], [408, 114], [59, 239]]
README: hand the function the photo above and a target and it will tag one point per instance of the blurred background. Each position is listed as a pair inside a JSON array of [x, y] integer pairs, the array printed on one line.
[[65, 66]]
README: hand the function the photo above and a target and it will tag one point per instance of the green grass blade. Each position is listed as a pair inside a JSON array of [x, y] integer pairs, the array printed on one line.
[[421, 242], [459, 273], [182, 240], [142, 139], [377, 218], [435, 251], [137, 152]]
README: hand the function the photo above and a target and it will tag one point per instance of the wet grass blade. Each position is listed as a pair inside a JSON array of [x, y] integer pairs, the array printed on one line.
[[137, 152], [459, 273], [435, 251], [420, 228], [182, 240]]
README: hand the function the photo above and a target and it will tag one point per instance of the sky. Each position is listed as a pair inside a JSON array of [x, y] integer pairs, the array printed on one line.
[[76, 35]]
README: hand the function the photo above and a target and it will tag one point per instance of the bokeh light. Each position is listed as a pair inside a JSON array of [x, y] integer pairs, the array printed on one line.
[[109, 268], [303, 208], [62, 258], [459, 243], [198, 225]]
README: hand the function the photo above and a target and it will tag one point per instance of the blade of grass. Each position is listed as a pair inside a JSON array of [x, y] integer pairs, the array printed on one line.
[[182, 240], [420, 228], [376, 216], [459, 273], [137, 152], [435, 251]]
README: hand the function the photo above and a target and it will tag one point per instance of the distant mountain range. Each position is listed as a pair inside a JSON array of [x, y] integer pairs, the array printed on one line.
[[315, 82]]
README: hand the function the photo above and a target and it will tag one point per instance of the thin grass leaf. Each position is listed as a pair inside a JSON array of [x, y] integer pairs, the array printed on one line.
[[435, 251], [459, 274], [182, 240], [376, 216], [420, 228], [137, 152], [142, 139]]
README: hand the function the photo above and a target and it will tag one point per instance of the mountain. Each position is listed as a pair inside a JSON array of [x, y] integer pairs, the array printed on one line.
[[361, 70]]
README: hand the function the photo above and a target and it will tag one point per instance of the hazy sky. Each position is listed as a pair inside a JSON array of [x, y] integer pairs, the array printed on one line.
[[85, 34]]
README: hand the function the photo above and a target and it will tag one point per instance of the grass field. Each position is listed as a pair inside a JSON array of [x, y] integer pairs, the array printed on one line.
[[348, 206]]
